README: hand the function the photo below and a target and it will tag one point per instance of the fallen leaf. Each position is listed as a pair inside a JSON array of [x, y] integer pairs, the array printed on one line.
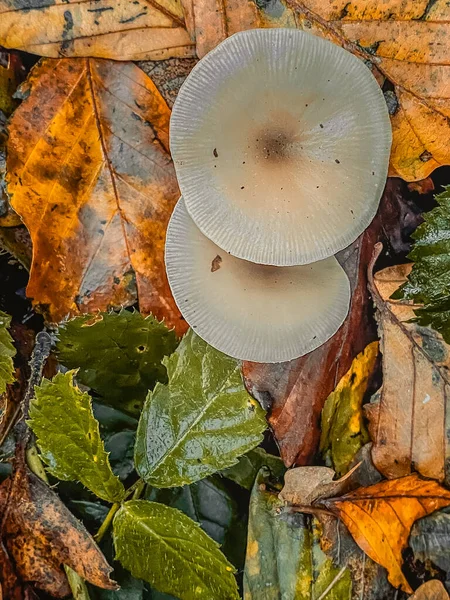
[[380, 518], [11, 74], [431, 590], [90, 174], [407, 41], [423, 186], [41, 535], [117, 354], [408, 419], [200, 422], [7, 353], [296, 391], [244, 472], [168, 75], [163, 546], [343, 429], [68, 437], [301, 570], [124, 30]]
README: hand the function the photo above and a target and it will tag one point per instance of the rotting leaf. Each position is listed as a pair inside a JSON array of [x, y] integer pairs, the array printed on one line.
[[117, 354], [380, 518], [69, 439], [301, 570], [7, 353], [90, 174], [124, 30], [41, 535], [163, 546], [343, 429], [408, 429], [200, 422]]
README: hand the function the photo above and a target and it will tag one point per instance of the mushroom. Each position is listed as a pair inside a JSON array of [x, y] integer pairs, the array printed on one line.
[[281, 146], [251, 311]]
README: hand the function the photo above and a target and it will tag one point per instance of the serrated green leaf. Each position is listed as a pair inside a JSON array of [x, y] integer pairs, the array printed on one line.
[[7, 352], [69, 439], [429, 280], [167, 549], [343, 431], [284, 558], [244, 472], [198, 423], [118, 354]]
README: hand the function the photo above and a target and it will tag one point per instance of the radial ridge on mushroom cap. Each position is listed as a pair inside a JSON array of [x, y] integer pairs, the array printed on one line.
[[281, 144], [250, 311]]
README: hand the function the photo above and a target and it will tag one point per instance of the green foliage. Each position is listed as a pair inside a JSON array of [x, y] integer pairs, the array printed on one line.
[[198, 423], [244, 472], [163, 546], [284, 558], [429, 280], [118, 354], [69, 439], [7, 352]]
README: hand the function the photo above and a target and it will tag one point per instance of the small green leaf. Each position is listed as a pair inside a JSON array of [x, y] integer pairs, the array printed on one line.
[[69, 439], [118, 354], [7, 352], [163, 546], [429, 280], [245, 470], [198, 423]]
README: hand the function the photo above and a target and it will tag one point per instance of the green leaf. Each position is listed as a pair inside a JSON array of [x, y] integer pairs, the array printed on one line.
[[69, 439], [163, 546], [244, 472], [343, 429], [7, 352], [429, 280], [284, 558], [118, 354], [198, 423]]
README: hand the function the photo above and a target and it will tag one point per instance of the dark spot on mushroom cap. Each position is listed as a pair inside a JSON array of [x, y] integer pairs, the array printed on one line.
[[337, 161], [321, 126], [215, 153]]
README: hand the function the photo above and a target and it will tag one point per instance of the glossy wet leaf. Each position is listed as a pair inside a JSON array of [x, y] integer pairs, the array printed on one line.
[[200, 422], [90, 174], [124, 30], [69, 439], [408, 416], [164, 547], [343, 429], [301, 570], [7, 353], [117, 354], [245, 470]]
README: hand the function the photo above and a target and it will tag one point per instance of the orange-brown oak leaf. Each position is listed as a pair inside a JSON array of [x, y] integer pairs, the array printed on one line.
[[89, 172]]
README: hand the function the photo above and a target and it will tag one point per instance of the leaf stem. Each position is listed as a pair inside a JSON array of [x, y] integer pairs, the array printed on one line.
[[78, 586], [139, 489], [137, 485], [107, 522]]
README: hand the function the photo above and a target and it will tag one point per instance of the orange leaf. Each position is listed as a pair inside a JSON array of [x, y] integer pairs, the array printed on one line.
[[380, 518], [409, 42], [127, 30], [90, 174]]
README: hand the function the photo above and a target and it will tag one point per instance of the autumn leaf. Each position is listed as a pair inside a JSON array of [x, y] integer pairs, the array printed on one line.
[[408, 42], [430, 590], [408, 429], [7, 353], [343, 429], [90, 175], [380, 518], [126, 30]]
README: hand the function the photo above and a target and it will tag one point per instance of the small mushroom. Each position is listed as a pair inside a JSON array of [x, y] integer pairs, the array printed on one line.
[[281, 146], [250, 311]]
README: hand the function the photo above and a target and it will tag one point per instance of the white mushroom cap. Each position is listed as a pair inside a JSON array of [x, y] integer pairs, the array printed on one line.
[[281, 146], [250, 311]]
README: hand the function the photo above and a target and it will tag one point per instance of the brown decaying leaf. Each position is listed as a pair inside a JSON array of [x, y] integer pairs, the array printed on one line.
[[430, 590], [297, 390], [90, 174], [409, 421], [423, 186], [122, 30], [380, 518], [409, 42], [40, 535]]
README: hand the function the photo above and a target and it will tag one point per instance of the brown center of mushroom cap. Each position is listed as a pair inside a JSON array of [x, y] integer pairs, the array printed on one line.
[[274, 146]]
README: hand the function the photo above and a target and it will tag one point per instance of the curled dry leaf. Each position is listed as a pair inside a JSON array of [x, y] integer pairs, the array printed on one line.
[[431, 590], [409, 430], [90, 174], [408, 42], [40, 535], [122, 30]]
